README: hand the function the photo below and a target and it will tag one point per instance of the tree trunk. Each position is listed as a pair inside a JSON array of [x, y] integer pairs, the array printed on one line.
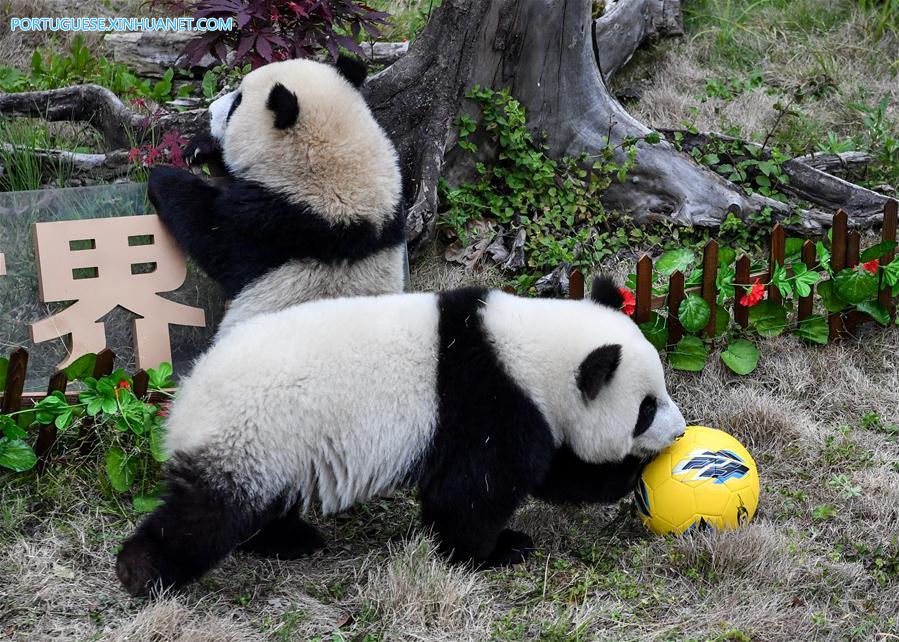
[[543, 51]]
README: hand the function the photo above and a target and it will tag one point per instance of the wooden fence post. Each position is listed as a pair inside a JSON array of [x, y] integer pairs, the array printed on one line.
[[46, 435], [15, 381], [889, 234], [809, 257], [141, 383], [741, 278], [777, 256], [853, 248], [675, 296], [837, 263], [709, 282], [102, 367], [644, 290], [576, 285]]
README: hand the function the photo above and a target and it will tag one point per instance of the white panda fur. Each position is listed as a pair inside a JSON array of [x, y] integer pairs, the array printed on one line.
[[470, 394], [314, 208]]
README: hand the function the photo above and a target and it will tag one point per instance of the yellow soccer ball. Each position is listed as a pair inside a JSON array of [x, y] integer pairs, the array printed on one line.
[[705, 478]]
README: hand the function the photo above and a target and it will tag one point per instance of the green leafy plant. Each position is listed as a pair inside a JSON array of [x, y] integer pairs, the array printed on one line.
[[131, 429], [553, 205], [851, 289], [50, 70]]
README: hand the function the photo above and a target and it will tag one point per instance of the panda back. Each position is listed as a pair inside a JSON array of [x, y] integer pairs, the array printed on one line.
[[336, 398]]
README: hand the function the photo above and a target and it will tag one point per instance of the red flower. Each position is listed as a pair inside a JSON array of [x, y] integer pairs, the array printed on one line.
[[630, 302], [163, 410], [871, 266], [123, 384], [755, 294]]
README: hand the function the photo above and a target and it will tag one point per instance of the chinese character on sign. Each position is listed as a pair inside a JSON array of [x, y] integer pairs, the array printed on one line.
[[103, 263]]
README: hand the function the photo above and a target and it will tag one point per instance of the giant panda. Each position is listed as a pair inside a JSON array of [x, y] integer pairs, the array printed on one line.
[[478, 398], [313, 208]]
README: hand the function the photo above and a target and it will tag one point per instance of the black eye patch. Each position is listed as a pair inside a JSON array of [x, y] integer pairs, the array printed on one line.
[[645, 416], [234, 105]]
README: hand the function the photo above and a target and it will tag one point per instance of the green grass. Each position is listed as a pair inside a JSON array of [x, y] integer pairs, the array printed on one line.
[[407, 17]]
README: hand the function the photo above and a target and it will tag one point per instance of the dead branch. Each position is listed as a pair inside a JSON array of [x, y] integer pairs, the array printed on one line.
[[864, 206], [120, 126]]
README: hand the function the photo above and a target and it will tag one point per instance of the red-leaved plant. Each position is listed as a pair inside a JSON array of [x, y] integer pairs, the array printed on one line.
[[270, 30]]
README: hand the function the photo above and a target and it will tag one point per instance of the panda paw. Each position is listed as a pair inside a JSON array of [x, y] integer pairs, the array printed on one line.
[[512, 547], [202, 148], [287, 538], [143, 568]]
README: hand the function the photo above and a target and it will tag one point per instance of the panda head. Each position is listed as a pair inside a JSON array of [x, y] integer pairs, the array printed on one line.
[[303, 129], [618, 403]]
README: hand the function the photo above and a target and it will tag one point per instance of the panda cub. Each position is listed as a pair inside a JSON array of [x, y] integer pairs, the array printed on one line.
[[479, 398], [314, 208]]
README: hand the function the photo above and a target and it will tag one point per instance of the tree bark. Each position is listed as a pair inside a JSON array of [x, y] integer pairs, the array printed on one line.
[[626, 24], [548, 54], [542, 50], [95, 167], [863, 206], [119, 125]]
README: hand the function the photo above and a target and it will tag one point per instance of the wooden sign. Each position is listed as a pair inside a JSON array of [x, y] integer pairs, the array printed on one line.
[[103, 263]]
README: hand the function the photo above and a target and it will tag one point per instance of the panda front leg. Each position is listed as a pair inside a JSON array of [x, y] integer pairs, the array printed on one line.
[[470, 527], [286, 537], [199, 523]]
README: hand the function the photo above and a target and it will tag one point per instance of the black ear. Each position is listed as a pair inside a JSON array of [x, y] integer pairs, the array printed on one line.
[[284, 103], [597, 370], [352, 69], [605, 292]]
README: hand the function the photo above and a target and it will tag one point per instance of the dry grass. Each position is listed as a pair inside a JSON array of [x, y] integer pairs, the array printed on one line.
[[598, 574], [824, 47]]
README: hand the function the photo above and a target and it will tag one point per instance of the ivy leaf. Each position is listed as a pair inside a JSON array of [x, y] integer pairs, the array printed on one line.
[[161, 377], [890, 275], [779, 279], [768, 318], [16, 455], [689, 354], [814, 329], [49, 408], [793, 247], [741, 356], [652, 138], [82, 367], [878, 251], [4, 368], [693, 279], [120, 469], [10, 429], [804, 279], [823, 254], [694, 313], [157, 442], [674, 260], [832, 302], [64, 420], [146, 503], [722, 320], [726, 256], [656, 331], [855, 286], [876, 310], [724, 282]]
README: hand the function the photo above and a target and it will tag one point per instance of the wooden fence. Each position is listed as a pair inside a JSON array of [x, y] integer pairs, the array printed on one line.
[[844, 252], [15, 399], [845, 248]]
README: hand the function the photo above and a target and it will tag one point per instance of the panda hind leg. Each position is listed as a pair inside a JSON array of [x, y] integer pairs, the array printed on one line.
[[286, 537]]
